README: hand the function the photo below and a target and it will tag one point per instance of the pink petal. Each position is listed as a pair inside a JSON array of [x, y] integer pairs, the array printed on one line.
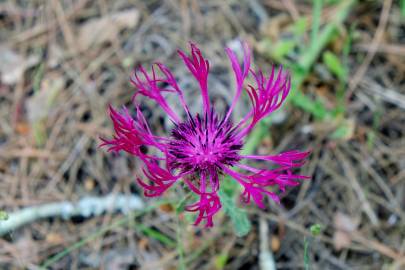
[[240, 73], [199, 67], [147, 86]]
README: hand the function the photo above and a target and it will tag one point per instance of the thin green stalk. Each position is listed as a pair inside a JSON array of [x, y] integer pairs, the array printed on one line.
[[38, 76], [180, 246], [402, 6], [315, 231], [306, 253], [256, 136]]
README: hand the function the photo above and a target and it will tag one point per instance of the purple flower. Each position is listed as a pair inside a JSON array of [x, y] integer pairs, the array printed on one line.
[[203, 147]]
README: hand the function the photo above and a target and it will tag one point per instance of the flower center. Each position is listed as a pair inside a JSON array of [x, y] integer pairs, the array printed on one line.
[[204, 143]]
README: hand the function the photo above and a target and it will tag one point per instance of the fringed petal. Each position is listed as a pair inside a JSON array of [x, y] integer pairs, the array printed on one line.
[[208, 205], [199, 67], [209, 202], [291, 159], [266, 97], [240, 73], [160, 179], [256, 185], [147, 85], [171, 81], [130, 134]]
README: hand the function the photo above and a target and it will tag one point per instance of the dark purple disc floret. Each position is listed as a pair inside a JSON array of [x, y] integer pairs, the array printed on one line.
[[204, 144]]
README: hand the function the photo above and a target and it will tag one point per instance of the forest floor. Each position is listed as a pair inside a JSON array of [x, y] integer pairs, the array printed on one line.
[[63, 62]]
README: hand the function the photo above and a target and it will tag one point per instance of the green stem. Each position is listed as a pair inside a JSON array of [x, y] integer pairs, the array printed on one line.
[[256, 136], [180, 247], [306, 253]]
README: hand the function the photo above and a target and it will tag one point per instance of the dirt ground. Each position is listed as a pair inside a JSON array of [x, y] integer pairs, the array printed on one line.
[[63, 62]]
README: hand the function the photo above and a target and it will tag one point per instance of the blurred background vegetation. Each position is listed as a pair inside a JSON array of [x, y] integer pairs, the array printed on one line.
[[63, 62]]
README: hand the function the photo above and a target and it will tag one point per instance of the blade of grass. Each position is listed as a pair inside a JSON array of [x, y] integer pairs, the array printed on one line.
[[340, 94], [308, 59], [403, 8], [38, 76], [316, 20], [306, 253], [152, 233]]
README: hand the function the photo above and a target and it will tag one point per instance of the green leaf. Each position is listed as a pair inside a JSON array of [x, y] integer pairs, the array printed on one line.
[[220, 261], [241, 222], [3, 215], [39, 132], [344, 130], [315, 107], [315, 229], [38, 76], [281, 48], [300, 26], [333, 2], [182, 204], [239, 217], [334, 65], [127, 62]]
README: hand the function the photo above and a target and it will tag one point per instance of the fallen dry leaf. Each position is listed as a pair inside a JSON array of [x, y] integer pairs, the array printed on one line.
[[143, 243], [54, 238], [22, 128], [13, 65], [105, 29], [275, 243], [345, 223], [27, 250], [167, 208], [341, 240], [345, 226], [41, 102], [89, 184]]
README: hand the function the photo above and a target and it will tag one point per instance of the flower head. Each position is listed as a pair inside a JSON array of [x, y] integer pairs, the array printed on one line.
[[202, 148]]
